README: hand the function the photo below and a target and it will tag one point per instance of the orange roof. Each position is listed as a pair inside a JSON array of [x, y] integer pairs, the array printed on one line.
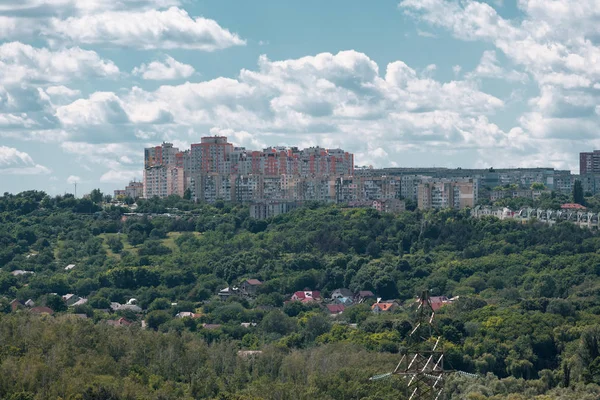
[[574, 206], [383, 306]]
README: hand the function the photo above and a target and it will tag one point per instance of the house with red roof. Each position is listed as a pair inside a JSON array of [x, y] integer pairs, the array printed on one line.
[[42, 310], [335, 309], [385, 306], [306, 296]]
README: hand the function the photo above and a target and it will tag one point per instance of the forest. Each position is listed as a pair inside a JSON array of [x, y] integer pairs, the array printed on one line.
[[524, 316]]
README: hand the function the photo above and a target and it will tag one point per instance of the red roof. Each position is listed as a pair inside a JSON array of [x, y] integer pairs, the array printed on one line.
[[383, 306], [42, 310], [306, 295], [253, 282], [573, 206], [335, 308]]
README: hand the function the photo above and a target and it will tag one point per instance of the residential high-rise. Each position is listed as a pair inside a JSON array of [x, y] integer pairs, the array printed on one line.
[[589, 162], [447, 193]]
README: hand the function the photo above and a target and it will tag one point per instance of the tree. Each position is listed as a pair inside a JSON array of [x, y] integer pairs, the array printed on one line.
[[114, 243], [578, 193], [187, 195], [538, 186], [96, 196]]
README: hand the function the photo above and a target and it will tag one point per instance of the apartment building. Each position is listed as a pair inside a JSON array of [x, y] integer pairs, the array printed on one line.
[[589, 162], [447, 193]]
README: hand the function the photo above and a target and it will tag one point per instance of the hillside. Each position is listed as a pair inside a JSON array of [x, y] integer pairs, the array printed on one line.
[[524, 315]]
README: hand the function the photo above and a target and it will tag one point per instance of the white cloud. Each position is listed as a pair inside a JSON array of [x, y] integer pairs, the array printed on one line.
[[120, 176], [72, 179], [22, 63], [62, 91], [170, 69], [101, 108], [15, 162], [490, 68], [555, 42], [338, 100], [151, 29]]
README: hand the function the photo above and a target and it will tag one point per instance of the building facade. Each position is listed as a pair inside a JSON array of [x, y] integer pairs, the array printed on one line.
[[447, 193]]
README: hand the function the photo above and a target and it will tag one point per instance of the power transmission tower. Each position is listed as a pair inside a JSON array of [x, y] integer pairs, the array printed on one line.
[[422, 362]]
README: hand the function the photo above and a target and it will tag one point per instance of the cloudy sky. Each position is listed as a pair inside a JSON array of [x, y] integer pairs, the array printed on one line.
[[85, 85]]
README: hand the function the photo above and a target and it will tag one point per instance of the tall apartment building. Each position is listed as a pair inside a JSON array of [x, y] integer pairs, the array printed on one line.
[[447, 193], [589, 162]]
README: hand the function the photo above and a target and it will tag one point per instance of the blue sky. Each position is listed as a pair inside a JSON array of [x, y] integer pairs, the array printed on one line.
[[85, 85]]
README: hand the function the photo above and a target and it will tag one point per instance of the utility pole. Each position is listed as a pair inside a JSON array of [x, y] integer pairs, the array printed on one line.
[[422, 362], [75, 183]]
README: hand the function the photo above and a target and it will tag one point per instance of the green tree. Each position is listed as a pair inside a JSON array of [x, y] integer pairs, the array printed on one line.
[[578, 193], [96, 196]]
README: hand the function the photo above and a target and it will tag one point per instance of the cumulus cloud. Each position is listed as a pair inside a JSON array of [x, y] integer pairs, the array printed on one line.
[[168, 70], [22, 63], [556, 42], [150, 29], [490, 68], [15, 162], [338, 100]]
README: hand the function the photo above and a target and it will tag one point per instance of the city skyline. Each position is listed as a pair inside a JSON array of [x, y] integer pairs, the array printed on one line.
[[398, 83]]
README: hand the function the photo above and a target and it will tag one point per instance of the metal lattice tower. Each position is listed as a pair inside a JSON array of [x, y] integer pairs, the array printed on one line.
[[422, 362]]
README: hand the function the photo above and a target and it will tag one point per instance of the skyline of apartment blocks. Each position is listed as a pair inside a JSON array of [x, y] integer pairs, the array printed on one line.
[[215, 169], [447, 193], [133, 190]]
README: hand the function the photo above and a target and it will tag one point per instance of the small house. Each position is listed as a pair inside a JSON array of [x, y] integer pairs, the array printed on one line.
[[250, 286], [42, 310], [387, 306], [71, 299], [340, 293], [226, 293], [15, 305], [69, 267], [119, 322], [363, 295], [187, 314], [306, 296], [80, 302], [335, 309], [29, 303], [20, 272]]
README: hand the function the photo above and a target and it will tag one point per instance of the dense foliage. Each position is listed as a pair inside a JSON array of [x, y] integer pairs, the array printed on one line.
[[526, 319]]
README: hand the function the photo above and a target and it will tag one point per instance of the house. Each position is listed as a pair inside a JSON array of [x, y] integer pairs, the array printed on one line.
[[346, 301], [248, 324], [124, 307], [79, 302], [69, 267], [438, 302], [386, 306], [119, 322], [250, 286], [187, 314], [19, 272], [249, 353], [306, 296], [335, 309], [226, 293], [71, 299], [340, 293], [15, 305], [42, 310], [29, 303], [363, 295], [211, 326]]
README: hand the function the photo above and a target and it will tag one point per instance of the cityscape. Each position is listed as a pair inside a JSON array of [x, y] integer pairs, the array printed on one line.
[[299, 200], [275, 180]]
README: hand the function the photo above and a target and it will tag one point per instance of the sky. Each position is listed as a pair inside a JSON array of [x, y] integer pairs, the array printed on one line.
[[85, 85]]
